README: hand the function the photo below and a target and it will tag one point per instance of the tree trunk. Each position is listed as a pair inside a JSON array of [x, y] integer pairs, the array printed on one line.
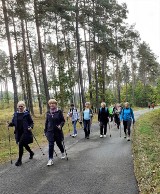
[[60, 67], [133, 81], [41, 53], [11, 55], [6, 91], [34, 71], [26, 69], [79, 53], [95, 61], [103, 75], [19, 64]]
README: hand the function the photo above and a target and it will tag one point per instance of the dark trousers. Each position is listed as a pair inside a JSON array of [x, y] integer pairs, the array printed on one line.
[[103, 128], [127, 127], [51, 148], [54, 138], [21, 145], [117, 120], [87, 125]]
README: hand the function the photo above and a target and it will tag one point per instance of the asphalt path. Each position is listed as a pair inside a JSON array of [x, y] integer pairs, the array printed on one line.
[[95, 166]]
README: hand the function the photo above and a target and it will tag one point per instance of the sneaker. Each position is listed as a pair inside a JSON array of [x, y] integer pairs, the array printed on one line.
[[105, 136], [128, 139], [18, 163], [74, 135], [63, 156], [87, 137], [125, 136], [101, 136], [31, 155], [50, 162]]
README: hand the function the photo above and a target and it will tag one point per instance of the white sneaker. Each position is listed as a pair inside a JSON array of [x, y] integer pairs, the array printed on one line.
[[63, 156], [101, 136], [128, 138], [125, 136], [105, 136], [50, 162], [74, 135]]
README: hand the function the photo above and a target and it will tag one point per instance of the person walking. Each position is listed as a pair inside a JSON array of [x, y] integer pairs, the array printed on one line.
[[53, 129], [127, 116], [87, 119], [103, 118], [111, 111], [74, 115], [23, 124], [117, 111]]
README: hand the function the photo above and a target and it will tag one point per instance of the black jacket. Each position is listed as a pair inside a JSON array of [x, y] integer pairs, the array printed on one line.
[[27, 122], [53, 120], [103, 115]]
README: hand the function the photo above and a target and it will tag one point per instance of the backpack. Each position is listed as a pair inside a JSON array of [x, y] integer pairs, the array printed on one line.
[[131, 111], [71, 112], [105, 109]]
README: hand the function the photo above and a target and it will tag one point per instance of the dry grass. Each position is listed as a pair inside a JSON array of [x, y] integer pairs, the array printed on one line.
[[6, 115]]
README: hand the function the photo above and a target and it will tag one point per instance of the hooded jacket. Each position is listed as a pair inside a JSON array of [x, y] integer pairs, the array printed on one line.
[[27, 123]]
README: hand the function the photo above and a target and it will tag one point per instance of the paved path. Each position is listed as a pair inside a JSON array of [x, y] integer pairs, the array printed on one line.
[[95, 166]]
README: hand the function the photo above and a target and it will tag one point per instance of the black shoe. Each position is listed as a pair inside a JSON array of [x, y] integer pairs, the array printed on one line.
[[31, 155], [18, 163]]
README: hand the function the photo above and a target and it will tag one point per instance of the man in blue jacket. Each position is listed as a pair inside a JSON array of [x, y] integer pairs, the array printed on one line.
[[127, 116]]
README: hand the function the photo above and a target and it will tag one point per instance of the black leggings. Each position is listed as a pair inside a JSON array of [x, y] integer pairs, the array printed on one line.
[[21, 145], [103, 125], [127, 126]]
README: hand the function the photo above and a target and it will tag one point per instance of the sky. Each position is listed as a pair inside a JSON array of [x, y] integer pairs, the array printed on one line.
[[146, 15]]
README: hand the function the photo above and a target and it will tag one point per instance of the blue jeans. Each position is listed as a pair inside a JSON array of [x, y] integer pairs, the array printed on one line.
[[87, 125], [74, 127]]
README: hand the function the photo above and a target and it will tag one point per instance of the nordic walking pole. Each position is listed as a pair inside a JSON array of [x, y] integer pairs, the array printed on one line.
[[68, 125], [38, 144], [65, 149], [55, 153], [109, 129], [10, 149]]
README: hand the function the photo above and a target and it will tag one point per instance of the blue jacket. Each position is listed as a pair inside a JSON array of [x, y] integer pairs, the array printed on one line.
[[127, 114], [27, 123]]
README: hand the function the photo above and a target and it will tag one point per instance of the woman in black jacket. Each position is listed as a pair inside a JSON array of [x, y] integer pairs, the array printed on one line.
[[103, 119], [23, 124], [53, 129]]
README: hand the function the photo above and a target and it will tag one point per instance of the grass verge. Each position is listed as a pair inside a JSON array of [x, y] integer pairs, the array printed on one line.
[[146, 148]]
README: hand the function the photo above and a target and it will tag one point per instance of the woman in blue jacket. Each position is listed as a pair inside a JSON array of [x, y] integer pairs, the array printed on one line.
[[23, 124], [53, 129], [127, 116]]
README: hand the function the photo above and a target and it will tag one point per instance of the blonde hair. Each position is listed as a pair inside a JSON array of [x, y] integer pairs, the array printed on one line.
[[126, 103], [103, 103], [87, 103], [21, 103], [52, 101]]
